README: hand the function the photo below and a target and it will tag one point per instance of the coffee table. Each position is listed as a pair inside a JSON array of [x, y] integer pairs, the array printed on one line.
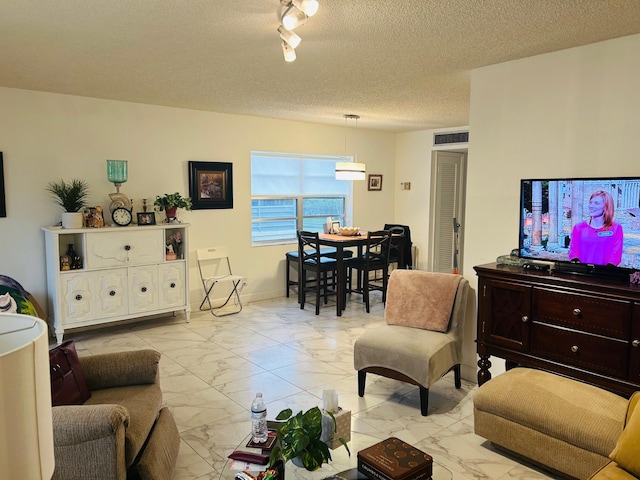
[[341, 464]]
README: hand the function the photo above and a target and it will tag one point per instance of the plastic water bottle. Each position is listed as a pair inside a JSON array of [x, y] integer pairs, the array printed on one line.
[[259, 431]]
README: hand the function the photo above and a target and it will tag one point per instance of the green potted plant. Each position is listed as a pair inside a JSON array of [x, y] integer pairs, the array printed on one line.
[[299, 439], [72, 197], [170, 202]]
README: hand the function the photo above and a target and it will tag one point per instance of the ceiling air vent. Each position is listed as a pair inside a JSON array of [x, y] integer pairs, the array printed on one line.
[[450, 138]]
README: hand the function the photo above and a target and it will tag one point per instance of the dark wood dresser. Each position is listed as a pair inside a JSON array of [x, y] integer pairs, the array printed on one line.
[[580, 326]]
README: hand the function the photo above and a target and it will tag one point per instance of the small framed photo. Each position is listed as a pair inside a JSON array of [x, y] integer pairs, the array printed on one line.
[[335, 227], [211, 185], [146, 218], [375, 182]]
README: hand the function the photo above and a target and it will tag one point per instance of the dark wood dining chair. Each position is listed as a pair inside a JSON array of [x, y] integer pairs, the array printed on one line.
[[375, 258], [310, 259]]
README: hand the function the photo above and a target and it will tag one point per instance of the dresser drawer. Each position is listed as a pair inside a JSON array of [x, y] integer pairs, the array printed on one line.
[[120, 247], [588, 313], [592, 352]]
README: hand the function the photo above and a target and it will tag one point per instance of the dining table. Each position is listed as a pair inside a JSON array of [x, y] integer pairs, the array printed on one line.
[[340, 242]]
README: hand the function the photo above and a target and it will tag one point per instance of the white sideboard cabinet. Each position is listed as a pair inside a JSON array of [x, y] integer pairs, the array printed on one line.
[[124, 274]]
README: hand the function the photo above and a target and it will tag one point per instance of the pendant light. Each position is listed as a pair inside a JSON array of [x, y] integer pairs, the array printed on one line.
[[350, 170]]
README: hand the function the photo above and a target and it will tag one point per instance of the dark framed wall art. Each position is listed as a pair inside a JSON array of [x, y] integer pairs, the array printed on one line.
[[3, 202], [211, 185]]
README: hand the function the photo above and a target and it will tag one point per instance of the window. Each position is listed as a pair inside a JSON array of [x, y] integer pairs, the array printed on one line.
[[291, 192]]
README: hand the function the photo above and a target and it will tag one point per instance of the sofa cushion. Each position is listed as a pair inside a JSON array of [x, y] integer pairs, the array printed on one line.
[[142, 402], [627, 451], [611, 471], [561, 423]]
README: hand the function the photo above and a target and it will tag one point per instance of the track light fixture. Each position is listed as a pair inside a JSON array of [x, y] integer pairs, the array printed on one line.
[[296, 13]]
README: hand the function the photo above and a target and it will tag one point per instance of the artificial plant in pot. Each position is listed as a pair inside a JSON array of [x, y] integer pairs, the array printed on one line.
[[170, 202], [72, 197], [299, 439]]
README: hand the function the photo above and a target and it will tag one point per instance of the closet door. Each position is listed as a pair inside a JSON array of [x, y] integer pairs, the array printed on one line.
[[448, 180]]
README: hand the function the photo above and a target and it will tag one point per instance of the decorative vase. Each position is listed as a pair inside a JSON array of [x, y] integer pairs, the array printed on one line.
[[171, 213], [72, 220]]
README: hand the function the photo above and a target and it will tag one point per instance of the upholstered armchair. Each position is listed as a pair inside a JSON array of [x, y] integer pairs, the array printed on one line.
[[422, 338], [122, 431]]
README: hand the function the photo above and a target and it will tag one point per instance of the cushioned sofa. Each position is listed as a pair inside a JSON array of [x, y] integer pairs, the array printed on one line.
[[122, 431], [564, 425]]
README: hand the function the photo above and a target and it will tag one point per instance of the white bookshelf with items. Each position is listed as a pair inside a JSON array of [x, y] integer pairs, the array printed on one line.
[[102, 275]]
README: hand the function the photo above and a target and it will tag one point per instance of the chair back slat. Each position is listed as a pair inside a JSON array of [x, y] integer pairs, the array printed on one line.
[[308, 247], [377, 248]]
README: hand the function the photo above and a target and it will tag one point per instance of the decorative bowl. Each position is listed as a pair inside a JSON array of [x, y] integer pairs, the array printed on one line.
[[348, 231]]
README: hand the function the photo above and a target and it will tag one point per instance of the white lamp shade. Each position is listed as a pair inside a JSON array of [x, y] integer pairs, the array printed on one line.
[[350, 171], [26, 426]]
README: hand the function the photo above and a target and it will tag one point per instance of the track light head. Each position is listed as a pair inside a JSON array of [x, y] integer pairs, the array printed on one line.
[[289, 53], [292, 38], [293, 17]]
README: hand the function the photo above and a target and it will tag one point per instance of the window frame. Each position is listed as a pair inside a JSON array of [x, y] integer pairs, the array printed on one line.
[[300, 198]]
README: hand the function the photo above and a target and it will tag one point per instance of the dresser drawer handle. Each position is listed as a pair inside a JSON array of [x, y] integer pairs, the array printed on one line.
[[143, 289], [525, 319], [172, 285], [577, 312], [636, 343], [78, 297], [112, 293], [574, 349], [127, 247]]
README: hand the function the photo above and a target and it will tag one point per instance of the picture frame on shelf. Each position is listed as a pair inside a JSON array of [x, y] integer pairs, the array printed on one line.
[[211, 185], [146, 218], [375, 182]]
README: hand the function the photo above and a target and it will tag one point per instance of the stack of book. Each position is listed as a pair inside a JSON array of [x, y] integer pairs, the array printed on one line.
[[393, 459]]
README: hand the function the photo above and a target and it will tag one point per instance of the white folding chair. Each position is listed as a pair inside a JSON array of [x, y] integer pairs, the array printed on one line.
[[215, 268]]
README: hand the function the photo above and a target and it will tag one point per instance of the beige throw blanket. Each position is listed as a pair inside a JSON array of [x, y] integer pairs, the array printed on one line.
[[421, 299]]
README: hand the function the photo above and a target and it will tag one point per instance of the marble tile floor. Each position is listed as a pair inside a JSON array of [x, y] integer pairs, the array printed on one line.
[[212, 367]]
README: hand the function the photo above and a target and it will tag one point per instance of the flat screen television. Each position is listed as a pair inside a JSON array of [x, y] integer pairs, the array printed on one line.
[[584, 225]]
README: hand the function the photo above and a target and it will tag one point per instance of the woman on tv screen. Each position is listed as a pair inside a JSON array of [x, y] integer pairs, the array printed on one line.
[[597, 240]]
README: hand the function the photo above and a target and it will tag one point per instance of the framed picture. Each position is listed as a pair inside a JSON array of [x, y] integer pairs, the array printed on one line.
[[146, 218], [211, 185], [375, 182], [3, 203]]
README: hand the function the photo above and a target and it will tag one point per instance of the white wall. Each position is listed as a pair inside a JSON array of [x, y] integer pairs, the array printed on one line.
[[570, 113], [47, 136]]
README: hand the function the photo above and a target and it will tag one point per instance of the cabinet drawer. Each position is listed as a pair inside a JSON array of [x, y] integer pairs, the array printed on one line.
[[120, 248], [592, 352], [604, 316]]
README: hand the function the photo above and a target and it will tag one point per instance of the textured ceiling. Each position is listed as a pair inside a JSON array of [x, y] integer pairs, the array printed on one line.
[[400, 65]]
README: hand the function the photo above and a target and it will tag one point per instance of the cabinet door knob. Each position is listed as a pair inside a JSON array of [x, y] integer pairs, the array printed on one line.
[[143, 289], [172, 285], [636, 343], [112, 293], [574, 349], [525, 319], [127, 247], [577, 312], [78, 297]]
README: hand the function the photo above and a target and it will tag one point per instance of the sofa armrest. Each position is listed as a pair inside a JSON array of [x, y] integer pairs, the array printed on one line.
[[89, 442], [120, 369], [75, 424]]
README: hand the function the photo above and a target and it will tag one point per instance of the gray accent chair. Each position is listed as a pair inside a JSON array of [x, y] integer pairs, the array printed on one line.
[[417, 355]]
